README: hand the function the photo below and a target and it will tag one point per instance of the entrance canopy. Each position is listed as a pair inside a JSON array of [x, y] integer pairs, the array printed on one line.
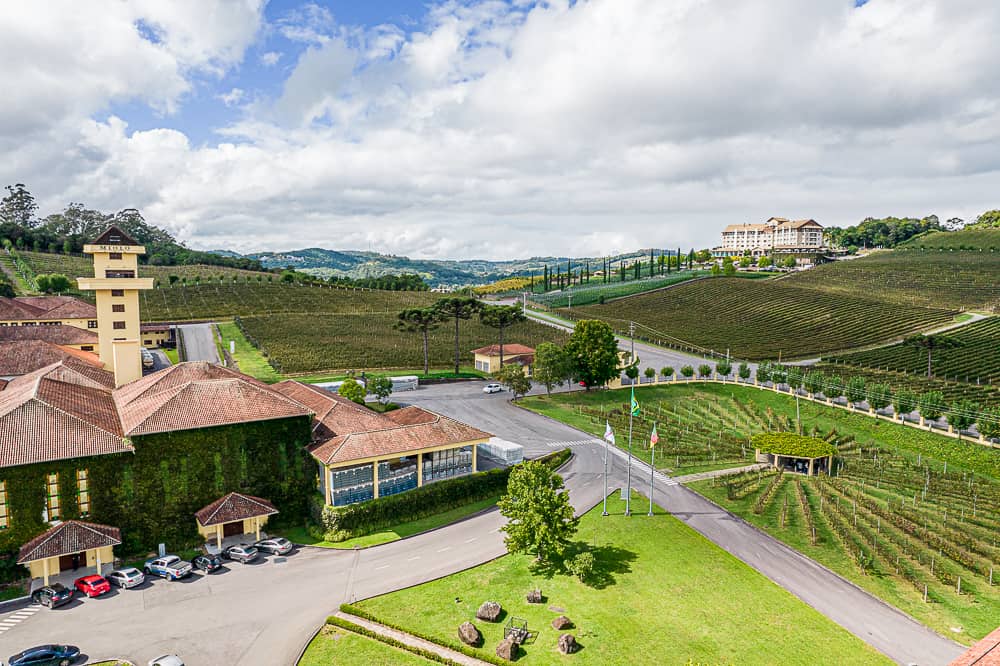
[[90, 541], [235, 513]]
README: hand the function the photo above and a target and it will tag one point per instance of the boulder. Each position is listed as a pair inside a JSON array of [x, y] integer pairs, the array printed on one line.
[[489, 611], [534, 597], [561, 622], [567, 644], [469, 635], [507, 649]]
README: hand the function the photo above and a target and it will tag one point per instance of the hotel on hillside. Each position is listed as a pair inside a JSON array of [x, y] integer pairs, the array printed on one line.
[[95, 456], [777, 235]]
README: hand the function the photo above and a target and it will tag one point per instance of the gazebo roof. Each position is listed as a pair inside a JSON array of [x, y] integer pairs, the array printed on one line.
[[793, 446], [72, 536], [233, 507]]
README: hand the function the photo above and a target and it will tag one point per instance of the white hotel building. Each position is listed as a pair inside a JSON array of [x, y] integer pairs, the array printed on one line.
[[776, 236]]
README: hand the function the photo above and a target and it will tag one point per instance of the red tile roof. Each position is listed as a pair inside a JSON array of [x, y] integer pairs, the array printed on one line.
[[512, 349], [58, 335], [45, 307], [233, 507], [23, 356], [72, 536], [984, 653]]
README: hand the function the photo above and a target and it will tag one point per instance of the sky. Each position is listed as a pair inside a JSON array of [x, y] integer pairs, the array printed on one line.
[[500, 128]]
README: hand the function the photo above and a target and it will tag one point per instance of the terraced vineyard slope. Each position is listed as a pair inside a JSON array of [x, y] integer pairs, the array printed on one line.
[[760, 319], [986, 240], [976, 361]]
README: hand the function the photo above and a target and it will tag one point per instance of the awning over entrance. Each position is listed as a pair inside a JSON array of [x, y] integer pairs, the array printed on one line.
[[73, 543], [235, 513]]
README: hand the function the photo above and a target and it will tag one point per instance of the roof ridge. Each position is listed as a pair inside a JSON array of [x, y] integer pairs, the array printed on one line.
[[77, 418]]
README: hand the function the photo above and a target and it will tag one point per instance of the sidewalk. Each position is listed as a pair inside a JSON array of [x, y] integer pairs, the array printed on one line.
[[411, 640], [701, 476]]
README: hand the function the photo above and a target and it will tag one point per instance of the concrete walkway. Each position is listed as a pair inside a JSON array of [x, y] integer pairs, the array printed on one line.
[[411, 640], [199, 343], [701, 476]]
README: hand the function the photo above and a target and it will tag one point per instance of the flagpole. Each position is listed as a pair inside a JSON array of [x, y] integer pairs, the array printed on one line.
[[628, 476], [606, 442], [652, 466]]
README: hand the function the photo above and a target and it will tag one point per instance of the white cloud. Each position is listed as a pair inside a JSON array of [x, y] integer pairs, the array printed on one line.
[[233, 97], [270, 58], [550, 129]]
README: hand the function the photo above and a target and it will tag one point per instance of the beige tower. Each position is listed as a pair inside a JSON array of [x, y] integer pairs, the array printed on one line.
[[116, 260]]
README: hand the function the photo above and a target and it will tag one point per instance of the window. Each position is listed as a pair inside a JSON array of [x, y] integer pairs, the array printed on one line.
[[148, 343], [118, 292], [118, 325], [118, 307], [92, 324], [87, 348], [119, 274], [115, 256], [82, 492], [4, 518], [51, 498]]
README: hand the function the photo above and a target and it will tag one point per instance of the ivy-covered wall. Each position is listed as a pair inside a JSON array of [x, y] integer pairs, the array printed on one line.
[[152, 494]]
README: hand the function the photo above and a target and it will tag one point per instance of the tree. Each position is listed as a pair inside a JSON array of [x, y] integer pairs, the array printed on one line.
[[423, 321], [592, 352], [550, 368], [18, 207], [687, 371], [43, 283], [287, 277], [814, 381], [704, 370], [834, 387], [650, 373], [988, 220], [962, 415], [904, 402], [666, 371], [59, 283], [173, 280], [744, 371], [582, 566], [352, 390], [879, 396], [989, 423], [716, 271], [724, 368], [855, 390], [789, 262], [500, 317], [514, 380], [457, 308], [931, 405], [380, 386], [728, 269], [540, 519], [764, 262], [932, 343]]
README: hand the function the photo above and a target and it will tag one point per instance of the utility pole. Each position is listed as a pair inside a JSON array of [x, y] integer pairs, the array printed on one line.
[[524, 303], [631, 335], [570, 306]]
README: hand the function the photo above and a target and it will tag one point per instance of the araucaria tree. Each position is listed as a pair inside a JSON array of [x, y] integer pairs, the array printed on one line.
[[540, 519], [931, 344], [592, 352], [423, 321], [500, 317], [457, 308]]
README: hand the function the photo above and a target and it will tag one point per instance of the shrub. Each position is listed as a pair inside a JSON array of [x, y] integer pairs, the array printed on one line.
[[687, 371], [704, 370], [666, 372], [724, 368], [582, 565]]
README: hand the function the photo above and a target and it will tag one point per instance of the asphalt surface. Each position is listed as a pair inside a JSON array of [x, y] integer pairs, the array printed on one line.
[[265, 613], [199, 342]]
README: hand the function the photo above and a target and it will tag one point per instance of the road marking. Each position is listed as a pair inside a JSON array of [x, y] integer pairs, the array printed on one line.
[[445, 549], [415, 557], [8, 623], [470, 540], [384, 566]]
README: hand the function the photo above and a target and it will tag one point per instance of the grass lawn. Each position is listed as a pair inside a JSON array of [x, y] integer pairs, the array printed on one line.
[[662, 593], [171, 354], [301, 536], [338, 646], [249, 358]]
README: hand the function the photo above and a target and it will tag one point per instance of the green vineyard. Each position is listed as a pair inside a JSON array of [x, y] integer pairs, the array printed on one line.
[[977, 360], [983, 240], [301, 343], [953, 392], [959, 280], [762, 319]]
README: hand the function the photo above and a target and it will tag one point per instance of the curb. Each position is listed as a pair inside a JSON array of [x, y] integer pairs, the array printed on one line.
[[12, 604]]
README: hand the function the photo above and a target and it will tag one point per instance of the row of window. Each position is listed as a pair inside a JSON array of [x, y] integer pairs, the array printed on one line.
[[52, 510]]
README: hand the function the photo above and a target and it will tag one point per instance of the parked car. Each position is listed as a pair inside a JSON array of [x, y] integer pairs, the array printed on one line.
[[46, 655], [52, 595], [242, 553], [166, 660], [92, 585], [492, 388], [170, 567], [126, 578], [275, 545], [207, 563]]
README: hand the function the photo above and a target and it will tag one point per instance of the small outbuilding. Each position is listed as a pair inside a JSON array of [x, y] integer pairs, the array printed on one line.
[[69, 546], [233, 515], [487, 359], [790, 452]]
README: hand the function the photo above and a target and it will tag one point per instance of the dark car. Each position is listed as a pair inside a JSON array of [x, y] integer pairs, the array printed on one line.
[[52, 595], [46, 655], [207, 563], [242, 553]]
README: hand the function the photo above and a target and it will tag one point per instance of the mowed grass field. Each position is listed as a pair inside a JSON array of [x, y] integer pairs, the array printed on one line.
[[934, 278], [977, 360], [302, 343], [663, 594], [760, 319], [928, 506], [343, 648]]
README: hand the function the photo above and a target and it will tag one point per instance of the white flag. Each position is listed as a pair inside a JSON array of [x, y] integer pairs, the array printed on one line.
[[609, 435]]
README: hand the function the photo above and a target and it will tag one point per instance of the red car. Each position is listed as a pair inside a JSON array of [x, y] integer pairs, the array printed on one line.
[[92, 585]]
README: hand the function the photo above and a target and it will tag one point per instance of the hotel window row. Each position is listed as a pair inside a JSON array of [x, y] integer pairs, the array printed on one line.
[[52, 510]]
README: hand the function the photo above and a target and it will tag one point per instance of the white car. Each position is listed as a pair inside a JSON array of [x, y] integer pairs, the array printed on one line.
[[167, 660], [492, 388], [126, 578]]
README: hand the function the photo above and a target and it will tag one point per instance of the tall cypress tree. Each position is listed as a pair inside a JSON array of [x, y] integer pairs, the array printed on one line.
[[651, 267]]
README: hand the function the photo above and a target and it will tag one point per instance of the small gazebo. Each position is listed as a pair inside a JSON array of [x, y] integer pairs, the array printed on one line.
[[790, 452], [232, 515], [69, 546]]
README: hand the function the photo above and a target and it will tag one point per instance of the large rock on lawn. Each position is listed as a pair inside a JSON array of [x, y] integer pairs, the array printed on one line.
[[469, 635], [534, 597], [567, 644], [489, 611], [507, 649], [561, 622]]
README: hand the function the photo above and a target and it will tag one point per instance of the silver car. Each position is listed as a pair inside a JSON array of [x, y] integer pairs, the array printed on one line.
[[126, 578], [241, 553], [275, 545]]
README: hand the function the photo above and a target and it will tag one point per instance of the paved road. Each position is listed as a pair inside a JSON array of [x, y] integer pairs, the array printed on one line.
[[264, 613], [199, 342]]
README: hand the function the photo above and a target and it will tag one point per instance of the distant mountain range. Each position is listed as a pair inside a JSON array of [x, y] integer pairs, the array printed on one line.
[[437, 273]]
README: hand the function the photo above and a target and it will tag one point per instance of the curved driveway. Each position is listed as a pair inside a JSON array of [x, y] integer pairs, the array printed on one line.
[[264, 613]]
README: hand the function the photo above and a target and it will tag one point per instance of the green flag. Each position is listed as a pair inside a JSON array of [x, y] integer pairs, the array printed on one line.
[[635, 404]]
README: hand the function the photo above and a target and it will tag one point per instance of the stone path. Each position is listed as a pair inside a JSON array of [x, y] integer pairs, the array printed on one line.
[[701, 476], [412, 640]]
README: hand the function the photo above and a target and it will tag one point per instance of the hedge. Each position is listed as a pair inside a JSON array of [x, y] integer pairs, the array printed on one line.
[[351, 609], [354, 520], [790, 444], [358, 629]]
